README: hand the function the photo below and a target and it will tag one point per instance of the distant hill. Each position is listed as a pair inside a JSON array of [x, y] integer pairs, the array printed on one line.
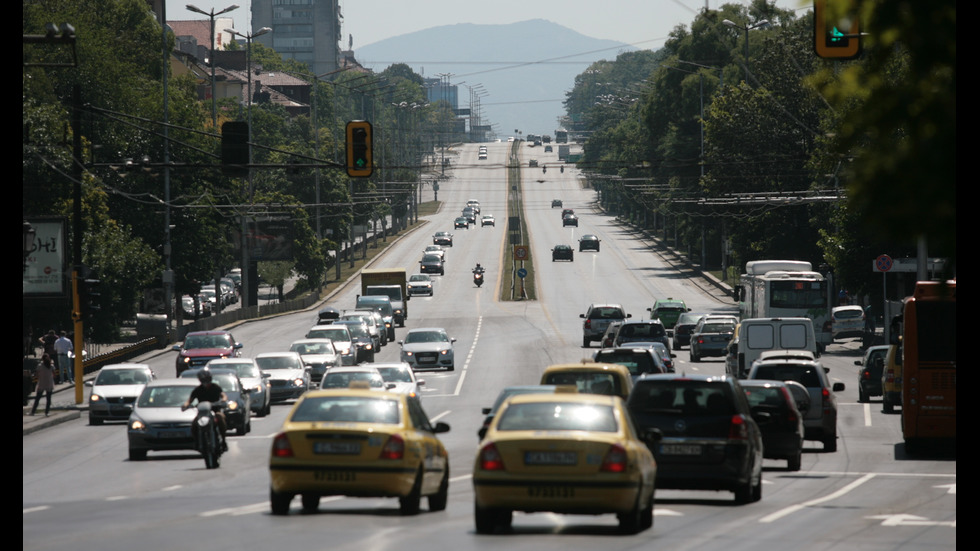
[[525, 68]]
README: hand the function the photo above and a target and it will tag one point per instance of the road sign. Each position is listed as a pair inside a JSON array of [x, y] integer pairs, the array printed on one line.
[[883, 263], [522, 273], [520, 252]]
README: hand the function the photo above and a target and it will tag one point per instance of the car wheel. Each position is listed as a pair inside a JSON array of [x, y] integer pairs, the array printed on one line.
[[488, 520], [749, 492], [887, 406], [311, 502], [631, 522], [94, 420], [410, 504], [268, 408], [830, 443], [438, 500], [862, 395], [676, 345], [137, 454], [586, 342], [794, 463], [694, 356], [279, 502]]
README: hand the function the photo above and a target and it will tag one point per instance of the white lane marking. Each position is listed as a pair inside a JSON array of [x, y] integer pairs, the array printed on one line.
[[867, 415], [469, 356], [794, 508], [36, 509]]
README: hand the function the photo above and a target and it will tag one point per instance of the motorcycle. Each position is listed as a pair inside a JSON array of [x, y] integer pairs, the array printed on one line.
[[207, 434], [478, 277]]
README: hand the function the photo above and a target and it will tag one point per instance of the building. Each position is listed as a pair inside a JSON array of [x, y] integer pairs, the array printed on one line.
[[304, 30]]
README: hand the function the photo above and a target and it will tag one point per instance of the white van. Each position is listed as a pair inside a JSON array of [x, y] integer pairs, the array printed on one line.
[[757, 335]]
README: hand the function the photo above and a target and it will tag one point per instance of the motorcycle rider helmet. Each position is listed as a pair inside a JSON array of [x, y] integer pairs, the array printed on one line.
[[204, 375]]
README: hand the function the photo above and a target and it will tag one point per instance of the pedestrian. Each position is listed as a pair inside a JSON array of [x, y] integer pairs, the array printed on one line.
[[47, 342], [869, 320], [62, 347], [45, 383]]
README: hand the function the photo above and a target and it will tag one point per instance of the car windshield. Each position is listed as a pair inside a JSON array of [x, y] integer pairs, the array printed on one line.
[[425, 336], [278, 362], [353, 409], [686, 398], [420, 277], [431, 258], [108, 377], [395, 374], [312, 348], [336, 334], [358, 330], [227, 381], [164, 396], [344, 379], [207, 341], [246, 370], [558, 416]]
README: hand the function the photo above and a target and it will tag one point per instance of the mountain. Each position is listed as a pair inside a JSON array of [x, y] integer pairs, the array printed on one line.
[[524, 68]]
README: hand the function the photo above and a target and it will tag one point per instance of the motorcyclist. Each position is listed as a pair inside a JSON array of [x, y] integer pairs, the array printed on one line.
[[209, 391], [478, 269]]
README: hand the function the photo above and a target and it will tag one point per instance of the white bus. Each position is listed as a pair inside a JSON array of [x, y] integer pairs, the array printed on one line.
[[786, 288]]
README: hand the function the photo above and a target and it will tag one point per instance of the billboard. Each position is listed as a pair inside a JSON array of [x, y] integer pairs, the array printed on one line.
[[268, 239], [46, 271]]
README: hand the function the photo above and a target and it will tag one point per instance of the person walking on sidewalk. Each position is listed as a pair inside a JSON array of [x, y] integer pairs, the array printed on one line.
[[62, 347], [45, 384]]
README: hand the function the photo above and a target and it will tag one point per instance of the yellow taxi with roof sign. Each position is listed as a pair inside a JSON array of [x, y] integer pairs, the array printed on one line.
[[568, 453], [590, 377], [358, 442]]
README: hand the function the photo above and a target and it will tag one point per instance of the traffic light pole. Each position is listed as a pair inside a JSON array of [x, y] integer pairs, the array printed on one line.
[[79, 336]]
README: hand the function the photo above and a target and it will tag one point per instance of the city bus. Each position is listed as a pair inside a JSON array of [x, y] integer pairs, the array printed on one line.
[[561, 136], [929, 365], [786, 289]]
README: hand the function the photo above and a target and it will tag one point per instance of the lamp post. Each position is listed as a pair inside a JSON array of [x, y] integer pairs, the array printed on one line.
[[212, 14], [247, 299], [758, 24]]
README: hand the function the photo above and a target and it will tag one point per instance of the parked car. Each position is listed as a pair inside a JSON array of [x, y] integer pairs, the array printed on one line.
[[710, 441], [200, 347], [780, 420], [588, 242], [562, 252], [820, 421], [711, 338], [115, 390], [870, 374]]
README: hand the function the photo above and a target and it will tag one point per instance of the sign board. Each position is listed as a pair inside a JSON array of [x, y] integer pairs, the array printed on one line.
[[522, 273], [520, 252], [46, 271], [885, 263]]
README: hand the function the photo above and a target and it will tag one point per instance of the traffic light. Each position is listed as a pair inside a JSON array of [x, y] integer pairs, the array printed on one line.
[[359, 160], [234, 148], [89, 292], [836, 34]]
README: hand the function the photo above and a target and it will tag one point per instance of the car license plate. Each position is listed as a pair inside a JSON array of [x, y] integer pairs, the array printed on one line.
[[551, 491], [334, 476], [550, 458], [341, 448], [680, 449], [172, 434]]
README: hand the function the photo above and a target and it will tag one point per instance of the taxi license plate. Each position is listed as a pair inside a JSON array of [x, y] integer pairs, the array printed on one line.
[[680, 449], [550, 491], [334, 476], [340, 448], [550, 458]]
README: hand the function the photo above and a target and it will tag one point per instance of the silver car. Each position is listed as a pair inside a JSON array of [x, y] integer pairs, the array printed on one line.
[[158, 423], [401, 376], [252, 379], [318, 354], [288, 377], [339, 335], [114, 391], [428, 347], [342, 377], [420, 284]]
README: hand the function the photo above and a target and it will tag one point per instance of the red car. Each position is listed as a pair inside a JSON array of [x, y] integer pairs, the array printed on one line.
[[200, 347]]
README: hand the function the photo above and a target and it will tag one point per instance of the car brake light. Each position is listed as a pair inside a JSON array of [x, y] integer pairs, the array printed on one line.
[[889, 376], [588, 324], [615, 460], [394, 448], [281, 447], [738, 430], [866, 375], [490, 459]]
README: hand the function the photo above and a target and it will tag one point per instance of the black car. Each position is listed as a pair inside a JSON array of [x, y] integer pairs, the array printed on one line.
[[779, 418], [363, 341], [461, 222], [711, 337], [682, 329], [562, 252], [869, 376], [569, 220], [556, 203], [432, 264], [642, 331], [710, 439], [443, 238], [588, 242], [639, 361]]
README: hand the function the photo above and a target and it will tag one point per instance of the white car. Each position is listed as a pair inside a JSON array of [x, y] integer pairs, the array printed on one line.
[[420, 284], [488, 220], [401, 376], [252, 379], [318, 354], [288, 377], [428, 347], [846, 322], [342, 377], [114, 391]]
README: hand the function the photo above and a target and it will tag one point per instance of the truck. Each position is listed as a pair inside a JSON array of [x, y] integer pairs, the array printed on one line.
[[390, 282], [563, 152]]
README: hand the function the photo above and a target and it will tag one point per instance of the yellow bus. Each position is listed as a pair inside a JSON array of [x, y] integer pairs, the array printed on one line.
[[929, 365]]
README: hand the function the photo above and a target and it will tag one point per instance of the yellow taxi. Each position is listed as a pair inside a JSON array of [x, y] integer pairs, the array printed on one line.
[[358, 442], [891, 380], [567, 453], [592, 378]]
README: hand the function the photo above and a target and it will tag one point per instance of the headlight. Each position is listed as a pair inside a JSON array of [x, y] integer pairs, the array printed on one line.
[[299, 382], [94, 398], [406, 353], [136, 424], [444, 352], [232, 405]]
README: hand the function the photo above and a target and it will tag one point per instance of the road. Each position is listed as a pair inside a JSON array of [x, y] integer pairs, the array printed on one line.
[[81, 492]]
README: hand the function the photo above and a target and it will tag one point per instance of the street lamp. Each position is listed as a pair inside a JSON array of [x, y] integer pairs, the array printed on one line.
[[763, 23], [212, 14]]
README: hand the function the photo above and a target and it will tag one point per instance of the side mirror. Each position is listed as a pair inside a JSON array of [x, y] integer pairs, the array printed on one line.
[[441, 427]]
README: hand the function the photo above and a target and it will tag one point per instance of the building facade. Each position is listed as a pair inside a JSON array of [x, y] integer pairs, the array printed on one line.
[[304, 30]]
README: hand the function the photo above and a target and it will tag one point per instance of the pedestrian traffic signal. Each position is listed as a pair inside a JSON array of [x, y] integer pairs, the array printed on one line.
[[359, 161], [234, 148], [836, 32]]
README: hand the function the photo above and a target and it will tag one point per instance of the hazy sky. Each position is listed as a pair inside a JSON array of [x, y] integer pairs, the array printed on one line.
[[641, 23]]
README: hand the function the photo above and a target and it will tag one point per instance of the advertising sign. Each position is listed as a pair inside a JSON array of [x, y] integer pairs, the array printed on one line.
[[46, 272]]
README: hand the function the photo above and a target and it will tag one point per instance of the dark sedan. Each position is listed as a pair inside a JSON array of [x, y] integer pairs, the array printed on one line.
[[682, 329], [569, 220], [775, 410], [711, 338], [432, 264], [562, 252], [588, 242]]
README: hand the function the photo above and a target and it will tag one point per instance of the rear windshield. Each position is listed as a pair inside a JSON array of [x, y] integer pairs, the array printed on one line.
[[765, 396], [348, 409], [558, 416], [850, 313], [343, 380], [642, 330], [806, 375], [636, 363], [606, 313], [718, 328], [588, 382], [682, 397]]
